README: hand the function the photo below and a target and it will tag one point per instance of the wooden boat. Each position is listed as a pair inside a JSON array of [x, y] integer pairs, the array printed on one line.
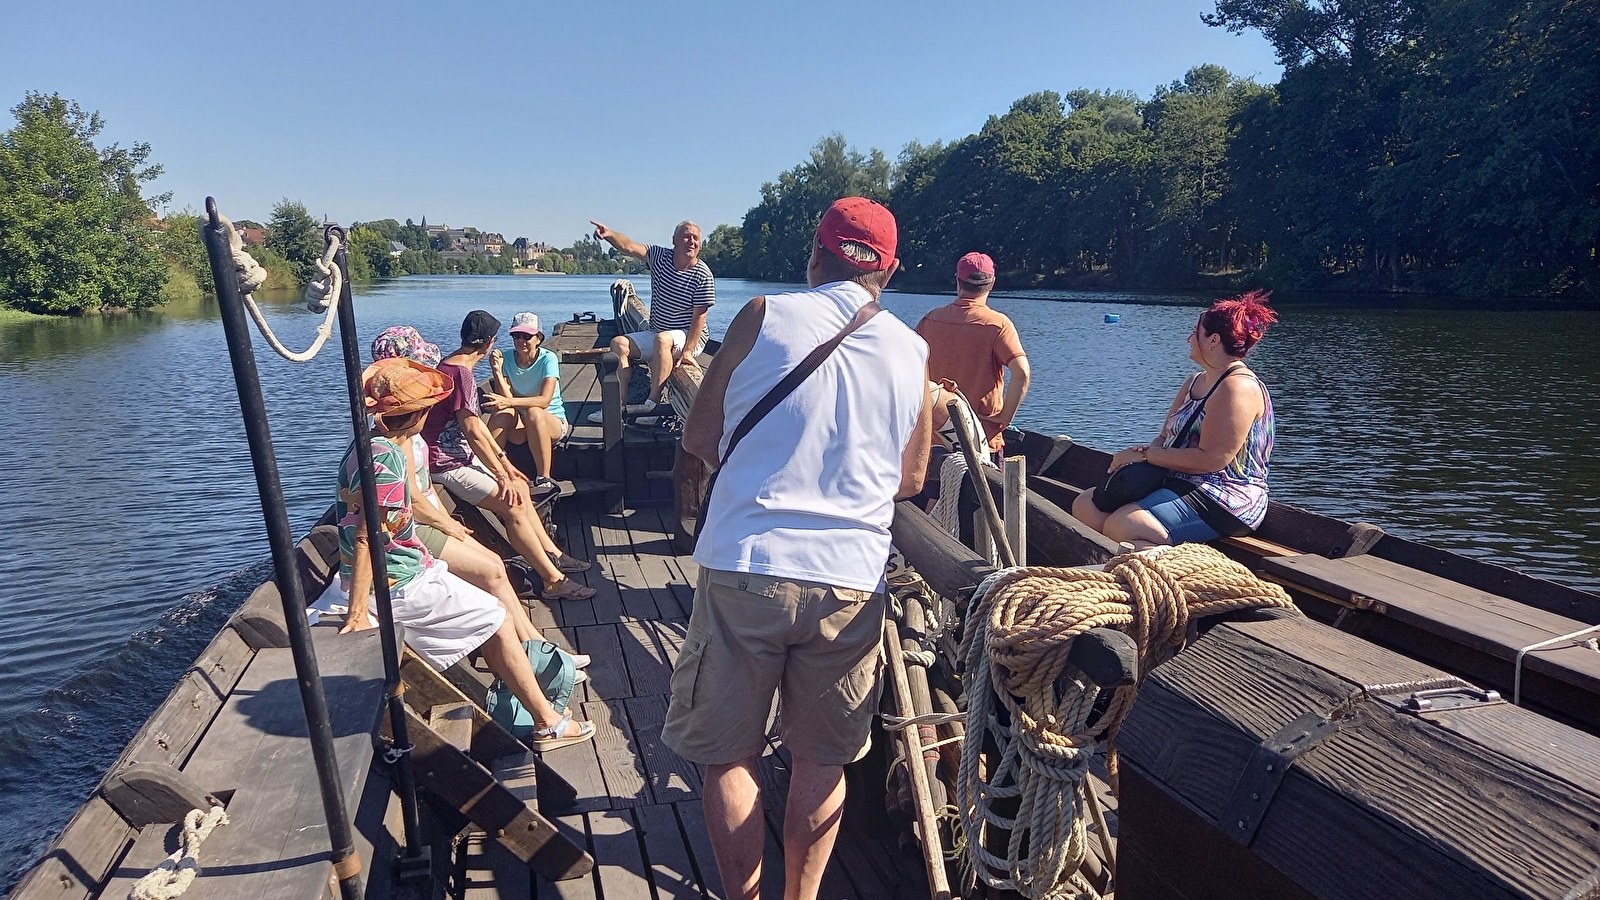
[[621, 817]]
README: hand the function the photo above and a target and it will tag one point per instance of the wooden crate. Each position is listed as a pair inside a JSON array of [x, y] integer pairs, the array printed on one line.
[[1465, 798]]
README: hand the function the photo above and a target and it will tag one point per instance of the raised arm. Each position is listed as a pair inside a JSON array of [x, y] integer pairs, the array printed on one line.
[[620, 241], [702, 433]]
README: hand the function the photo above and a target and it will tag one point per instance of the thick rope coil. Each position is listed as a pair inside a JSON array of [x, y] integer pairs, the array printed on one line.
[[323, 294], [173, 875], [1021, 627]]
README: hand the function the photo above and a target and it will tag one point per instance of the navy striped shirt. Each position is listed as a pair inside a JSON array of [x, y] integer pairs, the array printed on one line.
[[675, 295]]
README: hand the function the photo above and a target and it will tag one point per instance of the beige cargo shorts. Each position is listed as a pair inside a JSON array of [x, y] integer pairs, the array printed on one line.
[[816, 646]]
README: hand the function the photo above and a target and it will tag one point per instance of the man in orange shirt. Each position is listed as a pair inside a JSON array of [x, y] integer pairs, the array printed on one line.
[[973, 346]]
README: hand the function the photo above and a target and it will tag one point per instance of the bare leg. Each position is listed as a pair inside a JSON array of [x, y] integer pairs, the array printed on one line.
[[527, 535], [506, 658], [810, 825], [479, 566], [625, 352], [502, 425], [1084, 510], [541, 430], [1135, 525], [737, 827], [661, 367]]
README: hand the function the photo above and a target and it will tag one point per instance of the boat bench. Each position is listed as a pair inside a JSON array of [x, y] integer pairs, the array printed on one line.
[[256, 757], [1496, 627]]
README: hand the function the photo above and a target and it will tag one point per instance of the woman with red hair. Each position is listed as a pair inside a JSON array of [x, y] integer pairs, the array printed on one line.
[[1218, 465]]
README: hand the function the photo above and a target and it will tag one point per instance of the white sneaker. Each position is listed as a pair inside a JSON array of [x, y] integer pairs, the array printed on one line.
[[580, 678], [598, 417], [580, 660]]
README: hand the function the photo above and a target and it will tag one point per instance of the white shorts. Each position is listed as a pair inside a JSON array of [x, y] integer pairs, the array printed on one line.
[[471, 483], [645, 341], [444, 617]]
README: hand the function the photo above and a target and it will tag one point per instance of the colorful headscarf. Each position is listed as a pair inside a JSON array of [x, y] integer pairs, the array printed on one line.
[[403, 341]]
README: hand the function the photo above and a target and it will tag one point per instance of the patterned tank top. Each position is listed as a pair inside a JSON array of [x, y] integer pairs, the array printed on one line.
[[1240, 487]]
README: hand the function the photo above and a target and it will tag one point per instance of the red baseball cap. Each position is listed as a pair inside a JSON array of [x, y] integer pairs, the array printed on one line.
[[863, 223], [975, 268]]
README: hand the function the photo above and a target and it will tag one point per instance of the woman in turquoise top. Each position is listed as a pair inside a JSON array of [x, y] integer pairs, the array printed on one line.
[[525, 395], [1218, 480]]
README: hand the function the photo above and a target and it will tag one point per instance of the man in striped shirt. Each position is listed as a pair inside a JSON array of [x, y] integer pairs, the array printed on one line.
[[682, 290]]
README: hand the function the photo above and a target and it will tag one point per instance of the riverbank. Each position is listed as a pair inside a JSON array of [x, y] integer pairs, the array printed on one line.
[[9, 316]]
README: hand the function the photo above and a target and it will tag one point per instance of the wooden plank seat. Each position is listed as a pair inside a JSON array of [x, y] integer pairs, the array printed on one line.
[[257, 756], [1490, 624]]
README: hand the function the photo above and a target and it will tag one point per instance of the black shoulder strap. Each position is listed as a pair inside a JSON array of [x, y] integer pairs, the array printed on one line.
[[770, 400], [1183, 432]]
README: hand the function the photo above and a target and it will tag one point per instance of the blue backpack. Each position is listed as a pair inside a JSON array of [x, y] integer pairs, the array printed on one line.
[[556, 673]]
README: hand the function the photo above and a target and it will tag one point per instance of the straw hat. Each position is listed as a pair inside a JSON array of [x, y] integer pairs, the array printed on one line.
[[394, 387]]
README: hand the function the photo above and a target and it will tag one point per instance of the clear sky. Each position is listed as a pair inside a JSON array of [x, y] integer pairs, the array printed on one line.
[[529, 120]]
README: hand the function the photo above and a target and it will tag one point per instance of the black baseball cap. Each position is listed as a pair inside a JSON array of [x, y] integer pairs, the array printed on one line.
[[478, 327]]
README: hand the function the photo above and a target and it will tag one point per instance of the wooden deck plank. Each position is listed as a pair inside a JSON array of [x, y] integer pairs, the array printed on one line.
[[671, 866], [580, 766], [607, 602], [608, 674], [622, 875], [693, 817], [585, 888], [649, 665], [638, 600], [671, 777], [575, 540], [490, 871], [277, 845], [619, 763]]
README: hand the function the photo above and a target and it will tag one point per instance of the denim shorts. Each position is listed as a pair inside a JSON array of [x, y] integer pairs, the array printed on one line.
[[1178, 516]]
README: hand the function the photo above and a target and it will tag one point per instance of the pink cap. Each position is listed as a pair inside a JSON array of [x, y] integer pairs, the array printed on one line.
[[854, 223], [975, 268]]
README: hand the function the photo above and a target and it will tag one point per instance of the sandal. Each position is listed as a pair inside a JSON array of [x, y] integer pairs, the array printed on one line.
[[567, 589], [556, 737], [570, 565]]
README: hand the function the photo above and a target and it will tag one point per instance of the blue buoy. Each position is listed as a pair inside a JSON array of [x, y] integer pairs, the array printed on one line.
[[1112, 318]]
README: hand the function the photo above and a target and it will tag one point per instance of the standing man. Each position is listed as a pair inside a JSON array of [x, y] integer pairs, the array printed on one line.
[[790, 598], [974, 347], [682, 290]]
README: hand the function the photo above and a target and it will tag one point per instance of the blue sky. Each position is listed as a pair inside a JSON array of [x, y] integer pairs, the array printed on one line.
[[530, 120]]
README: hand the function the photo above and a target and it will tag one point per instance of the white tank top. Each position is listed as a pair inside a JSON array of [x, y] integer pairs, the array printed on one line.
[[809, 493]]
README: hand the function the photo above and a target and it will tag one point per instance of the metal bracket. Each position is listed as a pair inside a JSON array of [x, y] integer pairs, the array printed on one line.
[[1440, 699], [1265, 771]]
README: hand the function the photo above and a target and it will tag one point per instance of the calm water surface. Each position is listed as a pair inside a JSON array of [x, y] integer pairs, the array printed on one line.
[[132, 527]]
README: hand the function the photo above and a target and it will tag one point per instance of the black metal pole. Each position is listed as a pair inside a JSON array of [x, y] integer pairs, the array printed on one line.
[[346, 864], [414, 859]]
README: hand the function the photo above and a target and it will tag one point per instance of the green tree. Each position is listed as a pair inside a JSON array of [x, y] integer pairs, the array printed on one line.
[[182, 244], [372, 249], [779, 230], [75, 230], [723, 250], [295, 236]]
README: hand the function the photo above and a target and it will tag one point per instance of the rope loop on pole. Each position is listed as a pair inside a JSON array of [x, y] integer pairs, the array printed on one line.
[[1020, 631], [173, 875], [321, 294]]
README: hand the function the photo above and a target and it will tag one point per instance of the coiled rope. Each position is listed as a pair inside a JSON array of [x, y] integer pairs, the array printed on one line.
[[322, 294], [172, 876], [1021, 629]]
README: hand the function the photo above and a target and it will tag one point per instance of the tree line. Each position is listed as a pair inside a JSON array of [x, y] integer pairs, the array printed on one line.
[[1413, 145]]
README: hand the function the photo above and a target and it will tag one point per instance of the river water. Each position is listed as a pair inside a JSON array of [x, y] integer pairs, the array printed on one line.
[[132, 529]]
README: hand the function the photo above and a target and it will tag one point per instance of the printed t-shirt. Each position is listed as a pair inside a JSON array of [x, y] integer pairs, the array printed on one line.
[[675, 295], [530, 381], [448, 449], [971, 345], [404, 555]]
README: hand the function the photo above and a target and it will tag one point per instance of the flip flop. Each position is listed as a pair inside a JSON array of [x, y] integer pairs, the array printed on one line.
[[545, 739], [569, 565], [567, 589]]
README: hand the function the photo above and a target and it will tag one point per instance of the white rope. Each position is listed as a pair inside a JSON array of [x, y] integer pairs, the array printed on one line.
[[322, 293], [172, 876], [932, 718], [1516, 678]]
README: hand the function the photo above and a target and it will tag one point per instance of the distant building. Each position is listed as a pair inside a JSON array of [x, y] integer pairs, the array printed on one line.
[[253, 237], [396, 248], [527, 251]]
